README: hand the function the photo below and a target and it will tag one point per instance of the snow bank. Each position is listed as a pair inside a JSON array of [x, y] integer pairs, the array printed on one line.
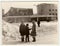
[[47, 33], [9, 31]]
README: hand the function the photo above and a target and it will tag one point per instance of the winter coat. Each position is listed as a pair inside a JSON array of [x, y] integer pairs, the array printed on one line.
[[22, 29], [33, 32], [27, 31]]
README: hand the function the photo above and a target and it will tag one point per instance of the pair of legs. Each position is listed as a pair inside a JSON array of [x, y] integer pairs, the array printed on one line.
[[27, 38], [22, 38]]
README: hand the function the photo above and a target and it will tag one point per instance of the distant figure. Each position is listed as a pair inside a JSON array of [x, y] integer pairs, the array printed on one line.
[[38, 22], [27, 33], [33, 32], [22, 31]]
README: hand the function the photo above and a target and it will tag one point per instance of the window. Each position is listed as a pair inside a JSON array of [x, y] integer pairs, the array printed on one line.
[[52, 9], [56, 13], [55, 9], [52, 13]]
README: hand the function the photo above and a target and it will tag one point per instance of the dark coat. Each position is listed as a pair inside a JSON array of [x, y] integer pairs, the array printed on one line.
[[27, 32], [33, 32], [22, 29], [38, 22]]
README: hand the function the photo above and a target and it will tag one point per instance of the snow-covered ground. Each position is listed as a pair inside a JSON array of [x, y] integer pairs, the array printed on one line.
[[46, 34]]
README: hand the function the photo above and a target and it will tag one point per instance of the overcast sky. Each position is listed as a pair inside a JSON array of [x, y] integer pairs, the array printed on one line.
[[6, 5]]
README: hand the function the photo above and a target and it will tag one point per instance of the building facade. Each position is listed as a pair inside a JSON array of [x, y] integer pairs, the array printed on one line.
[[47, 9]]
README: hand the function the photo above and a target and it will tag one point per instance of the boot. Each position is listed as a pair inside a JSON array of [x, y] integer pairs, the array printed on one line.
[[22, 39], [34, 39]]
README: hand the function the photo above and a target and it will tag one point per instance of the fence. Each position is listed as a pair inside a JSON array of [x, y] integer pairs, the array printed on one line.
[[30, 18]]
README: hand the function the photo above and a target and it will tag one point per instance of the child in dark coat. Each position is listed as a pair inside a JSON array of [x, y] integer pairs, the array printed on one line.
[[27, 33]]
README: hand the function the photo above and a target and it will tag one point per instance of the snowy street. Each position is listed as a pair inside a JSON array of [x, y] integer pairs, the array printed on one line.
[[47, 33]]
